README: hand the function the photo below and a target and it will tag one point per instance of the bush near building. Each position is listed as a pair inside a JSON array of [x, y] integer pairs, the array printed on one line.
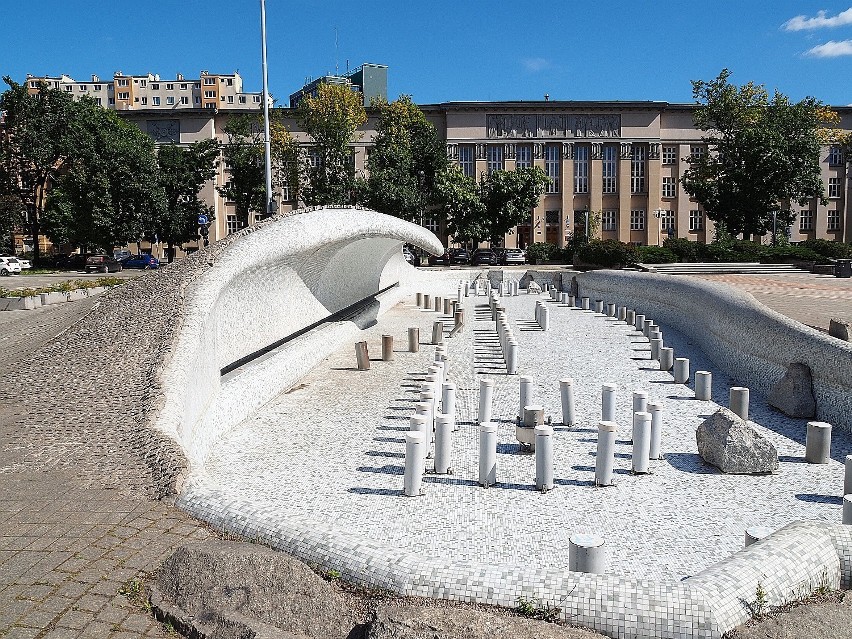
[[606, 254]]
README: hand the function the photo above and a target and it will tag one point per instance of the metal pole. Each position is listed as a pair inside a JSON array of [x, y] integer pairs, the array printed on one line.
[[267, 145]]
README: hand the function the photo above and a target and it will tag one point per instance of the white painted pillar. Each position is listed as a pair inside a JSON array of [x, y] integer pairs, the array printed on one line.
[[566, 392], [486, 392], [487, 454], [586, 553], [608, 402], [738, 401], [605, 456], [656, 410], [443, 443], [818, 443], [415, 464], [641, 442]]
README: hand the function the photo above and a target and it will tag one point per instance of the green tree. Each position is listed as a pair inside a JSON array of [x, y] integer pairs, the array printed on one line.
[[11, 219], [762, 154], [406, 159], [34, 142], [108, 186], [461, 203], [183, 171], [331, 119], [509, 197]]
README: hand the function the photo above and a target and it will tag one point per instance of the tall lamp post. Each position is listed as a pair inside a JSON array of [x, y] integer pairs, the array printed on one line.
[[267, 144], [586, 227], [774, 227], [659, 213]]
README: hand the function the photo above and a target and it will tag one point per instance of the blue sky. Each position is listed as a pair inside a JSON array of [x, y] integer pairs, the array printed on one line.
[[443, 51]]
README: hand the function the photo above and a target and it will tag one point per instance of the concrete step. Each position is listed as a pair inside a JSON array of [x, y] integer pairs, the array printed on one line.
[[713, 268]]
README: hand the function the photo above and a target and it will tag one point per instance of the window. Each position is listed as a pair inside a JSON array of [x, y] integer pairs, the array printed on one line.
[[696, 152], [170, 99], [495, 158], [256, 98], [669, 187], [96, 87], [209, 95], [432, 224], [832, 220], [232, 225], [143, 83], [111, 101], [834, 187], [668, 222], [68, 87], [637, 220], [835, 156], [121, 83], [466, 160], [124, 95], [230, 82], [552, 159], [609, 220], [155, 101], [222, 98], [696, 220], [806, 220], [197, 100], [581, 169], [98, 101], [184, 99], [551, 218], [523, 156], [184, 86], [196, 85], [82, 88], [230, 99], [242, 99], [314, 158], [637, 169], [669, 155], [209, 81], [144, 100], [155, 87], [170, 86], [609, 169]]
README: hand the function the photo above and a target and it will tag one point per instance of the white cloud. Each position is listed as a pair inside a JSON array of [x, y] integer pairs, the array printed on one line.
[[819, 21], [534, 65], [830, 49]]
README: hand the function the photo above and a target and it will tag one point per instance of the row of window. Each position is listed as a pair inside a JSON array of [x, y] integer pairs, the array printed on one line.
[[669, 154], [171, 100], [668, 220], [807, 220]]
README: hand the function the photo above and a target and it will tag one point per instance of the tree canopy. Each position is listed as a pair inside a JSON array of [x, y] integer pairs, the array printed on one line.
[[762, 154], [331, 119]]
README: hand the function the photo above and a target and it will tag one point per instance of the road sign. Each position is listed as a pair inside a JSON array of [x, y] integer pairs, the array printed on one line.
[[202, 220]]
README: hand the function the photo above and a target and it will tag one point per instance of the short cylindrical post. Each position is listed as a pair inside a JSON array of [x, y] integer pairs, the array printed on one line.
[[610, 310], [545, 318], [622, 313], [585, 303], [387, 348], [640, 401], [448, 401], [428, 397], [681, 370], [437, 332], [443, 443], [420, 299], [544, 457], [646, 327], [563, 298], [655, 450], [818, 443], [608, 402], [656, 345], [467, 289], [419, 422], [599, 306], [847, 509], [605, 456], [362, 356], [738, 401], [487, 454], [458, 318], [486, 392], [587, 553], [572, 301], [413, 339], [566, 391], [526, 391], [459, 295], [427, 301], [639, 322], [512, 356], [756, 533], [666, 358], [641, 442], [415, 464], [847, 477], [447, 305], [704, 385], [630, 316], [438, 303]]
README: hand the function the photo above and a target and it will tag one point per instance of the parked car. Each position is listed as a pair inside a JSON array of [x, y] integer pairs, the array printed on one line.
[[484, 256], [459, 256], [9, 266], [73, 262], [410, 257], [443, 259], [141, 261], [513, 256], [24, 264], [102, 264]]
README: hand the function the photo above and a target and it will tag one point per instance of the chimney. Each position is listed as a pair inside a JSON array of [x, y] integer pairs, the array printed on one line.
[[180, 76]]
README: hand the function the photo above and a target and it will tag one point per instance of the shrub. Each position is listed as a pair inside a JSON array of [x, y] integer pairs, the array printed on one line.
[[828, 248], [539, 252], [685, 250], [608, 253], [656, 255]]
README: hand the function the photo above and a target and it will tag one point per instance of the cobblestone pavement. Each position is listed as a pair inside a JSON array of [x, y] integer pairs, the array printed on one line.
[[810, 299], [667, 525]]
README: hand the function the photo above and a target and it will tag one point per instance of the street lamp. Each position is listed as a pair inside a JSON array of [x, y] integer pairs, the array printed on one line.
[[774, 227], [659, 214], [586, 216], [267, 145]]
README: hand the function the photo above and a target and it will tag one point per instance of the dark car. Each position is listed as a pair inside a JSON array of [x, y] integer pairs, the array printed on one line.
[[459, 256], [442, 260], [141, 261], [102, 264], [513, 256], [484, 256], [75, 261]]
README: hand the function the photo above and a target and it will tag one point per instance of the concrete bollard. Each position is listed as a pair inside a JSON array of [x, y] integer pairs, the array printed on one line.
[[448, 401], [420, 299], [641, 442], [622, 313], [487, 454], [362, 356], [640, 401], [646, 327], [427, 396], [512, 356], [738, 401], [847, 476], [486, 393], [584, 301], [387, 348], [438, 303], [666, 358], [545, 318], [704, 385], [413, 339], [526, 392], [419, 423], [605, 456], [656, 345], [639, 322], [681, 370], [599, 306], [630, 316], [655, 450], [608, 402], [459, 293], [610, 310], [756, 533], [566, 392], [847, 509], [563, 298], [447, 301], [458, 319], [544, 457], [443, 443], [427, 301], [467, 289], [437, 332], [818, 443], [572, 301], [586, 553], [415, 464]]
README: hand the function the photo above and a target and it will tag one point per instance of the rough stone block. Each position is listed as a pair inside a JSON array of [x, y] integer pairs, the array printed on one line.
[[794, 394], [729, 443], [841, 329]]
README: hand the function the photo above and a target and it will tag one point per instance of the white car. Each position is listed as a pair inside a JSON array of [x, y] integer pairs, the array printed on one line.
[[10, 266]]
